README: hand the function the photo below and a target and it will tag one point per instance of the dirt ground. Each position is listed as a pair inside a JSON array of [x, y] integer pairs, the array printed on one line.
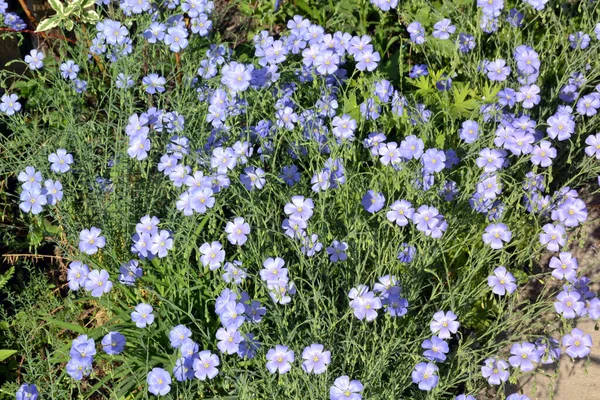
[[575, 380]]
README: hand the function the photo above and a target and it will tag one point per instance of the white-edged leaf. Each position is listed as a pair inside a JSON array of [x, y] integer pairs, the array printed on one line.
[[76, 3], [88, 4], [57, 6], [91, 16], [71, 8], [48, 24]]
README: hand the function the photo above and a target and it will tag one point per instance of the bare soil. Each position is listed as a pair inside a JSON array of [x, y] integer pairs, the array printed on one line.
[[569, 379]]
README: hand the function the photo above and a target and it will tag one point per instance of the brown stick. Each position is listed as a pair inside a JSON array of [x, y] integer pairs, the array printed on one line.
[[178, 67], [30, 16], [11, 256], [19, 369]]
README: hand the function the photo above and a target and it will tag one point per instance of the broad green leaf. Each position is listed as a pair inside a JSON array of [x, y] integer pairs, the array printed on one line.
[[489, 92], [246, 9], [462, 106], [436, 76], [48, 24], [350, 106], [54, 229], [4, 354], [34, 237], [424, 86], [25, 87], [69, 25], [439, 140], [424, 16]]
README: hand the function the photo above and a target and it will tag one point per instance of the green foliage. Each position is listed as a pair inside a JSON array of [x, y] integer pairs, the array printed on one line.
[[6, 276], [67, 15], [108, 189], [32, 341]]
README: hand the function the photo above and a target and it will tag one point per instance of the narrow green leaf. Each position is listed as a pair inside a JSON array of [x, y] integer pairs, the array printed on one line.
[[390, 42], [308, 9], [67, 325], [118, 372]]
